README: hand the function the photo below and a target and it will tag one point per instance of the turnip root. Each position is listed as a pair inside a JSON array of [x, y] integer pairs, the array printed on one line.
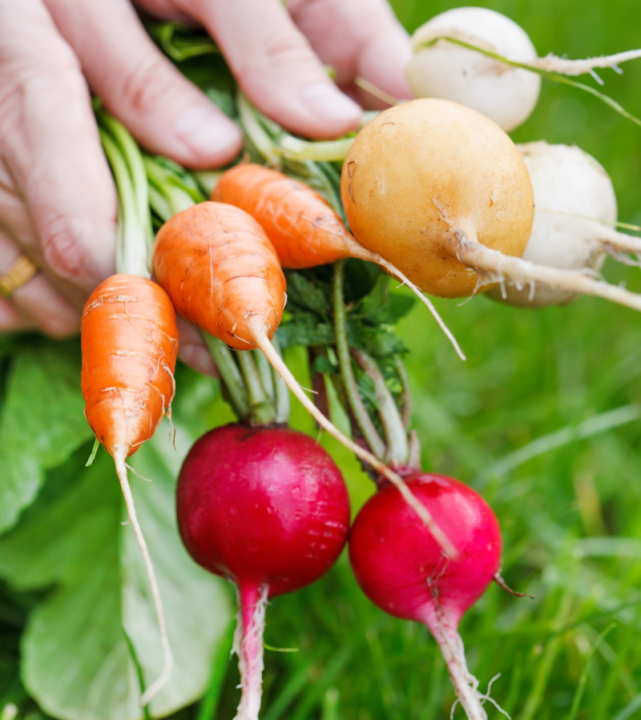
[[570, 187], [402, 569], [505, 93], [443, 194]]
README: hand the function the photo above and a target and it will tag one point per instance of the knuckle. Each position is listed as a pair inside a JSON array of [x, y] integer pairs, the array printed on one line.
[[60, 250], [147, 82], [276, 49]]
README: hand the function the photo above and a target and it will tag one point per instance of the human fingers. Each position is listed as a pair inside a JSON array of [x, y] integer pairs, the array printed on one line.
[[57, 198], [357, 38], [31, 301], [275, 65], [193, 351], [163, 110]]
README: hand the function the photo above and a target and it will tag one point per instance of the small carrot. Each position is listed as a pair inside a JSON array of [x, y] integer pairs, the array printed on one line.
[[129, 346], [129, 342], [220, 269], [301, 224], [222, 273]]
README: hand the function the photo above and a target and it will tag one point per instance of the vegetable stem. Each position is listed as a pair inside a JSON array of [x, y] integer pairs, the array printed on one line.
[[259, 336], [397, 452], [281, 393], [329, 151], [133, 238], [230, 375], [261, 409], [256, 133], [372, 438]]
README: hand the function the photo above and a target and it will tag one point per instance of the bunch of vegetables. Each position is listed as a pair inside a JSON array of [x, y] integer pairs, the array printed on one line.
[[436, 195]]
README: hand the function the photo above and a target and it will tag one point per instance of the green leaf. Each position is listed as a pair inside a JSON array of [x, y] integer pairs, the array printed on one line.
[[380, 306], [42, 422], [309, 293], [379, 341], [305, 329], [76, 660], [325, 365]]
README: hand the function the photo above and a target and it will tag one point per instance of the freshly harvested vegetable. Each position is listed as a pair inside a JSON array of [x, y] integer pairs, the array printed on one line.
[[482, 59], [441, 191], [267, 509], [129, 344], [403, 571], [222, 273], [505, 94], [301, 224], [576, 210]]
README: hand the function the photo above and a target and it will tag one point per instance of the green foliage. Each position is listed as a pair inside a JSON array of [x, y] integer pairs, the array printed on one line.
[[41, 423], [76, 658], [370, 313]]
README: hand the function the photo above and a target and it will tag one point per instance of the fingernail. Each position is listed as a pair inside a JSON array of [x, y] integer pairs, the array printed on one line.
[[326, 101], [208, 134]]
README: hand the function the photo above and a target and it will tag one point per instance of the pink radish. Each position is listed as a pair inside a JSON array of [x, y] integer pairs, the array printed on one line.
[[267, 509], [402, 569]]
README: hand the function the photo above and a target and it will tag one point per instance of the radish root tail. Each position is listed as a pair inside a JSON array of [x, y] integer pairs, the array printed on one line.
[[248, 645], [159, 684], [257, 329], [465, 684]]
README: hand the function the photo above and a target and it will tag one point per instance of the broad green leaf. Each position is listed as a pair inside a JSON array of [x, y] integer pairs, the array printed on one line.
[[76, 661], [42, 423]]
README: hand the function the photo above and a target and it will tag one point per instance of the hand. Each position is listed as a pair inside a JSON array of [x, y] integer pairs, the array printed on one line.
[[57, 200]]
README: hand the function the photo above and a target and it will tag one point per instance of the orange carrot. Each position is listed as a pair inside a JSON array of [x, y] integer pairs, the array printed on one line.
[[220, 270], [222, 273], [301, 224], [129, 344]]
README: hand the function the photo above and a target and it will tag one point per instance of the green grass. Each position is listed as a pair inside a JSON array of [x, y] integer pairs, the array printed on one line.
[[569, 505]]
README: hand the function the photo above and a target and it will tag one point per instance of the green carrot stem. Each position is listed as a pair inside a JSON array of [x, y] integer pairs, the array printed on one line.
[[133, 242]]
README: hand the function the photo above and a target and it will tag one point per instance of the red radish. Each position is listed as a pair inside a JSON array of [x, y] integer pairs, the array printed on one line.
[[267, 509], [402, 569]]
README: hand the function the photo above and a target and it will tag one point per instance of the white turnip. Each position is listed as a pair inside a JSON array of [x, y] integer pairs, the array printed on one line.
[[507, 94], [573, 224]]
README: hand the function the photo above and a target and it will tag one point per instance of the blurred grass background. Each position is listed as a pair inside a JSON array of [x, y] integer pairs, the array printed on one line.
[[543, 419]]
